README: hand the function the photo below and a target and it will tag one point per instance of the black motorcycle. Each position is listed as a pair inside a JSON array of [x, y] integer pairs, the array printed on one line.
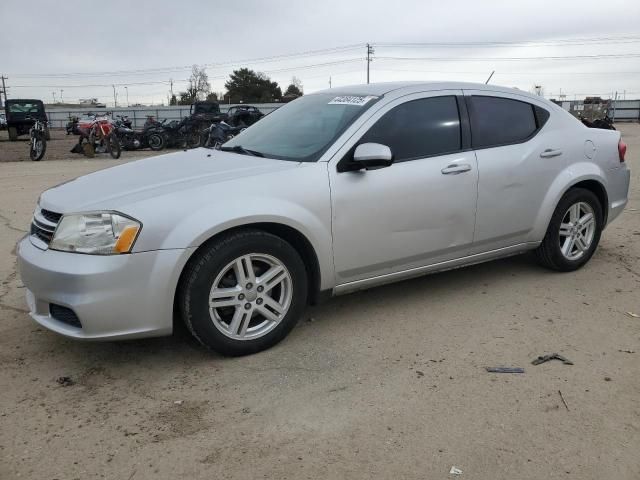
[[177, 134], [131, 139], [604, 123], [38, 140], [219, 133], [72, 125]]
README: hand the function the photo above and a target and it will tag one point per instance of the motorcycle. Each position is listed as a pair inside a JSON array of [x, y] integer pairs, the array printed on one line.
[[72, 125], [100, 136], [180, 134], [37, 140], [219, 133], [604, 123]]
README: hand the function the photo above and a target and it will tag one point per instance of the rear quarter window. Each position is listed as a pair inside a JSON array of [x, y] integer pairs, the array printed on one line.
[[497, 121]]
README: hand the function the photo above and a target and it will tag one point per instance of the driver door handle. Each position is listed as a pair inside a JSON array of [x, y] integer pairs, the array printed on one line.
[[455, 169], [550, 152]]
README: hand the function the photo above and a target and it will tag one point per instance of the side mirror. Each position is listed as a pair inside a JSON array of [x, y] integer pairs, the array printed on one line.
[[371, 156]]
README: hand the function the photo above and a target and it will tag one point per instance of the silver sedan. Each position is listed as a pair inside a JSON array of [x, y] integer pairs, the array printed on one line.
[[337, 191]]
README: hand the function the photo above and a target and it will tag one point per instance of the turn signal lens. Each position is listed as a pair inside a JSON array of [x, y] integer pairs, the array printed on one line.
[[127, 237]]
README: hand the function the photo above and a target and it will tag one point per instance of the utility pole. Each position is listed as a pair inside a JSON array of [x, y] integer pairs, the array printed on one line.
[[115, 99], [127, 90], [4, 88], [171, 84], [61, 99], [329, 81], [54, 96], [370, 52]]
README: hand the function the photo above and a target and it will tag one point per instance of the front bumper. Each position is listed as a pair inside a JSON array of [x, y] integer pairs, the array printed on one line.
[[114, 297]]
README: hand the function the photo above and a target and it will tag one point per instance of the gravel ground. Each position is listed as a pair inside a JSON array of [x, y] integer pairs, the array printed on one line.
[[387, 383]]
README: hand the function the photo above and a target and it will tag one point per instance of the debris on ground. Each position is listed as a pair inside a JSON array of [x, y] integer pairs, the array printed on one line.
[[553, 356], [65, 381], [504, 369], [455, 471], [607, 379], [178, 402], [627, 351], [633, 315], [563, 401]]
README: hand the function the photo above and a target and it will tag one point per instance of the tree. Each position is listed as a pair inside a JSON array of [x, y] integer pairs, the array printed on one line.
[[173, 100], [212, 97], [198, 88], [294, 89], [245, 85]]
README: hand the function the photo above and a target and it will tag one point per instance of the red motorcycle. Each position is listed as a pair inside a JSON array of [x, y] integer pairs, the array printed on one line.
[[100, 136]]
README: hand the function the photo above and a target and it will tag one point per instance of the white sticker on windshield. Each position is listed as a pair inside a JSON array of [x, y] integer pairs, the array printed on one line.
[[355, 100]]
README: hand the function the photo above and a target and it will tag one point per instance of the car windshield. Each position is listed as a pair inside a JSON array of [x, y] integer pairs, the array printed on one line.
[[304, 129]]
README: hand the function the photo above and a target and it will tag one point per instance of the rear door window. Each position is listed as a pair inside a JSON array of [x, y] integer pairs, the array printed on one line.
[[419, 128], [497, 121]]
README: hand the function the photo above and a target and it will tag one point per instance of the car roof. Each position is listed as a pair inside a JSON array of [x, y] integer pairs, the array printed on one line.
[[387, 87]]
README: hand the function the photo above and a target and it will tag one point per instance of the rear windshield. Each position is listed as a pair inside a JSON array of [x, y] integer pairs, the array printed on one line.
[[207, 108], [24, 107]]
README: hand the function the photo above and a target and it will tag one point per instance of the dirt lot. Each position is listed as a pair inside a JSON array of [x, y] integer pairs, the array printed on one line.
[[57, 148], [388, 383]]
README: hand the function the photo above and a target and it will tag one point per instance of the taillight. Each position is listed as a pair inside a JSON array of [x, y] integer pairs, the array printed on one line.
[[622, 150]]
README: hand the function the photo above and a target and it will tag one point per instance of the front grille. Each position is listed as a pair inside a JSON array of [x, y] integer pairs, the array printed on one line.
[[53, 217], [64, 315], [44, 224]]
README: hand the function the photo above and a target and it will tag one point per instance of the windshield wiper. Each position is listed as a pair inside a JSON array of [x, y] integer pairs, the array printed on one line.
[[243, 151]]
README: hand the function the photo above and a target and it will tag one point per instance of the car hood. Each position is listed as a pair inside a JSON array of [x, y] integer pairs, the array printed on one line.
[[138, 180]]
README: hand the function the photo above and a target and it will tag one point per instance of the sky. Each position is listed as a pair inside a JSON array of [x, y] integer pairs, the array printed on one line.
[[569, 47]]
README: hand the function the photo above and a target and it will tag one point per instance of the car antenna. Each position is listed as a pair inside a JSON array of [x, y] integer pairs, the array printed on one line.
[[490, 77]]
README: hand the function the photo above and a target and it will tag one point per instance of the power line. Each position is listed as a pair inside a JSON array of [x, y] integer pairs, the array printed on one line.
[[498, 59], [554, 43], [215, 77], [325, 51]]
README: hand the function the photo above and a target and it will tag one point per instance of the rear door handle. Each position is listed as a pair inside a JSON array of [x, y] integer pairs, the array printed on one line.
[[550, 152], [455, 169]]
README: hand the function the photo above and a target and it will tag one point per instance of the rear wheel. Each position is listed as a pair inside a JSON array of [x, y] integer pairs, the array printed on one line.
[[243, 292], [573, 233], [156, 142]]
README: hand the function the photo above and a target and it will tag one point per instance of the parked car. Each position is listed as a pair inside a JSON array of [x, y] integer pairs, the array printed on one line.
[[21, 115], [337, 191], [243, 115]]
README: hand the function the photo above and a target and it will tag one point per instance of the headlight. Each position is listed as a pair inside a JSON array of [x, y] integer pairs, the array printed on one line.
[[97, 233]]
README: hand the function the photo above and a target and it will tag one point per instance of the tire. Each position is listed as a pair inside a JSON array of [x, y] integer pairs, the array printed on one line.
[[38, 153], [554, 253], [47, 134], [13, 134], [194, 140], [215, 265], [113, 146], [156, 142]]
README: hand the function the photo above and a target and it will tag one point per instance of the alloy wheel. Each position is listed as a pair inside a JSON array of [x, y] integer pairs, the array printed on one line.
[[250, 296], [577, 230]]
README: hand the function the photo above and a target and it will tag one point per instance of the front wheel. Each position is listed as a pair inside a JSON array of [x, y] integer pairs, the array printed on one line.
[[243, 292], [573, 233], [113, 146], [37, 149]]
